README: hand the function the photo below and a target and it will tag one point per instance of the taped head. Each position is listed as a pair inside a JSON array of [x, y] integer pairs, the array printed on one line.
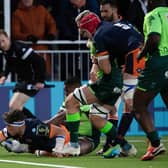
[[88, 21]]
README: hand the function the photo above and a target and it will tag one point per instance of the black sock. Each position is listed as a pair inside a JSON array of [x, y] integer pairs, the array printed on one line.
[[95, 136], [154, 138], [108, 142], [27, 113], [110, 137], [114, 122], [120, 140], [73, 127], [125, 123]]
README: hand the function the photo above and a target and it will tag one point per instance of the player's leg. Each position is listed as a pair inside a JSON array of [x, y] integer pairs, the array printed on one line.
[[81, 95], [112, 117], [126, 118], [21, 94], [98, 117], [17, 101], [146, 121]]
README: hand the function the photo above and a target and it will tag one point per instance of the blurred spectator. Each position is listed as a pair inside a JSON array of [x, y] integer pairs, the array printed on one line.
[[65, 16], [67, 13], [123, 7], [133, 11], [136, 12], [33, 22]]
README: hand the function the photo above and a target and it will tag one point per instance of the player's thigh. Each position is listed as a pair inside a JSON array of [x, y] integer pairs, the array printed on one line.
[[84, 95]]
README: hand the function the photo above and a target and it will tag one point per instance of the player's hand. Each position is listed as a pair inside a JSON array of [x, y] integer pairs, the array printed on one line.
[[7, 145], [2, 80], [93, 73]]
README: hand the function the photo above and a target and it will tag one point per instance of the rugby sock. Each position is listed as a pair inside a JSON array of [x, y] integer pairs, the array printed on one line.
[[96, 136], [59, 143], [73, 121], [120, 140], [114, 122], [125, 123], [110, 131], [108, 140], [27, 113], [154, 138], [123, 128]]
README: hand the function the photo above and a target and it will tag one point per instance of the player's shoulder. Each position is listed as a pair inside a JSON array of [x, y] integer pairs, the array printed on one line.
[[103, 29], [156, 12], [104, 26]]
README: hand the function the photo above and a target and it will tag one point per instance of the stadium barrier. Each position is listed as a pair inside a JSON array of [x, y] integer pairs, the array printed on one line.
[[67, 58]]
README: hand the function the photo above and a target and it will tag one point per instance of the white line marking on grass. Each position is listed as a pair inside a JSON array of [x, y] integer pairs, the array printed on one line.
[[37, 164], [139, 140]]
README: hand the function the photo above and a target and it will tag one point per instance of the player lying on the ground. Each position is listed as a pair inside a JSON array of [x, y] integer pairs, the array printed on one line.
[[31, 135], [23, 133]]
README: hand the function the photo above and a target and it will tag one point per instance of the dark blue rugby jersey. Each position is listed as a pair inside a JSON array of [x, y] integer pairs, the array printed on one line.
[[35, 141], [117, 39]]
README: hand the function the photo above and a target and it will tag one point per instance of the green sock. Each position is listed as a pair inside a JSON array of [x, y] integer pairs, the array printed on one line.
[[110, 131], [73, 121], [154, 138]]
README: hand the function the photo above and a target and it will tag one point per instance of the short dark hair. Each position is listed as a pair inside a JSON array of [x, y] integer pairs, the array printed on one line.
[[13, 116], [72, 81], [111, 2]]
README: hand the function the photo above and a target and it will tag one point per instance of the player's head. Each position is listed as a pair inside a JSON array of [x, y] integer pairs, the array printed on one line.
[[71, 84], [109, 10], [87, 22], [14, 121], [4, 40], [152, 4]]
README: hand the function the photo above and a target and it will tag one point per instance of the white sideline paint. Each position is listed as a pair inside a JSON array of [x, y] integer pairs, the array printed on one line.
[[37, 164]]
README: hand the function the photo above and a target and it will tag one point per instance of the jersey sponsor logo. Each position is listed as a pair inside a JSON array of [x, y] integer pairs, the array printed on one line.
[[42, 130], [117, 90]]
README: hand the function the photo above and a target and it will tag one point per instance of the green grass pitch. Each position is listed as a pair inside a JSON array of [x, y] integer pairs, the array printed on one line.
[[89, 161]]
